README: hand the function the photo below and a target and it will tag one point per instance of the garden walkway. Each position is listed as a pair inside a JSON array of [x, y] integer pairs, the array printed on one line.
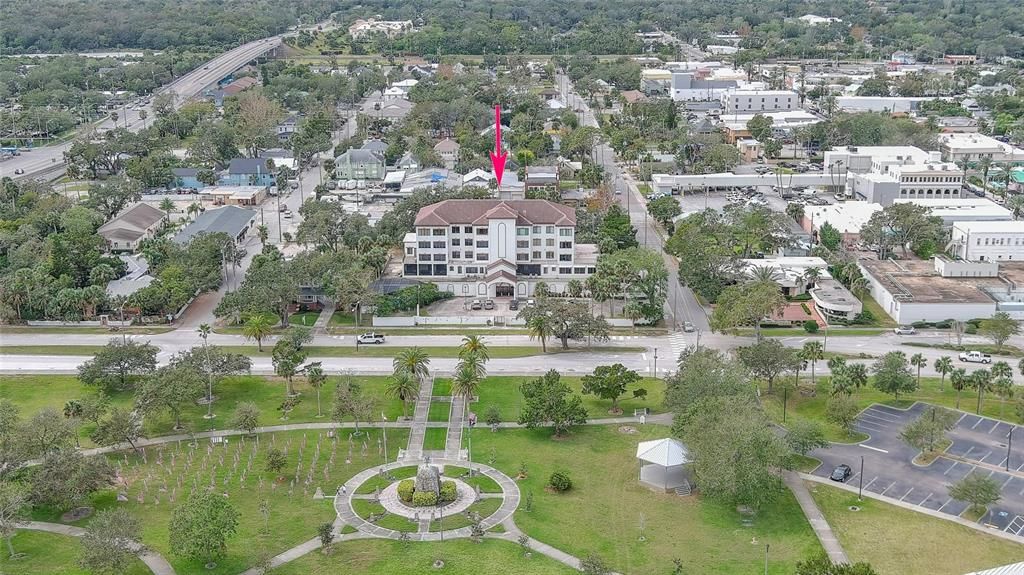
[[418, 427], [156, 563], [453, 440], [814, 515]]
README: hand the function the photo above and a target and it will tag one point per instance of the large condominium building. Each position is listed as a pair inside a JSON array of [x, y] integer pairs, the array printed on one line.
[[496, 248], [754, 101]]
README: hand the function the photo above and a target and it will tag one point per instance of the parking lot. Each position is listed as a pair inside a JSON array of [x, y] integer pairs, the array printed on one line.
[[979, 446], [697, 200]]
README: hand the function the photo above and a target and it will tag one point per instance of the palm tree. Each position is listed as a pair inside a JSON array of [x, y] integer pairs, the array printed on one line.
[[812, 274], [1016, 205], [264, 233], [540, 328], [812, 352], [168, 207], [958, 379], [763, 274], [985, 164], [258, 327], [403, 387], [943, 365], [193, 209], [980, 380], [73, 410], [414, 361], [204, 332], [918, 360], [466, 382], [857, 375], [317, 378], [474, 345]]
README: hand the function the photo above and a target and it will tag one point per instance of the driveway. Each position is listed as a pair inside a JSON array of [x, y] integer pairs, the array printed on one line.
[[979, 446]]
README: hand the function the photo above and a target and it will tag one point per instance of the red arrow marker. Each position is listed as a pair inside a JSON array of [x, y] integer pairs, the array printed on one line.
[[498, 156]]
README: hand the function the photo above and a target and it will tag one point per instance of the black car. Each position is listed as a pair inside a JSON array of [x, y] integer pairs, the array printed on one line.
[[841, 473], [513, 305]]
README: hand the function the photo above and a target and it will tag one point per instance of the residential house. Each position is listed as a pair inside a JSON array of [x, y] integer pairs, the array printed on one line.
[[125, 231], [231, 220], [750, 149], [186, 178], [234, 195], [448, 150], [248, 172], [633, 96], [548, 94], [359, 164], [407, 162], [539, 177], [240, 85], [497, 248], [376, 146], [287, 127]]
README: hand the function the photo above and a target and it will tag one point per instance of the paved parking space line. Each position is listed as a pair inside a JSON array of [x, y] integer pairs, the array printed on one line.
[[873, 479], [926, 498], [865, 446], [968, 452], [959, 420], [994, 427], [907, 493], [982, 460], [888, 488], [955, 463], [868, 426], [945, 504], [1012, 526], [1001, 463], [976, 423], [1020, 467], [881, 415], [852, 477], [875, 420], [1008, 480]]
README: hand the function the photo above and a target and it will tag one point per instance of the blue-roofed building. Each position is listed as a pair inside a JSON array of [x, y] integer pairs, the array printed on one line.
[[248, 172], [186, 178]]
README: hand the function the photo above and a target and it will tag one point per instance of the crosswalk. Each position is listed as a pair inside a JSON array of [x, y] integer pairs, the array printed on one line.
[[678, 342]]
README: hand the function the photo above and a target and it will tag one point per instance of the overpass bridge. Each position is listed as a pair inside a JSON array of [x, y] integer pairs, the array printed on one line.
[[48, 161], [669, 183]]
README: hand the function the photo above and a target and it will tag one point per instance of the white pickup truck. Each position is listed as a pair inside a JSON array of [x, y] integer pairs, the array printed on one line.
[[975, 357]]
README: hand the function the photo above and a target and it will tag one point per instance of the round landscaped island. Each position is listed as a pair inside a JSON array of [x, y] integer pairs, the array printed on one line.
[[426, 495]]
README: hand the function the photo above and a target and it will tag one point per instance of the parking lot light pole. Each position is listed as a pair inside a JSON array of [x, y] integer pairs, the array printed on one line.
[[1009, 446], [860, 488]]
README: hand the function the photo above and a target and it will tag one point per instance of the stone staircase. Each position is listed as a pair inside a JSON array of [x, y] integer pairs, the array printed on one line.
[[684, 489], [414, 450]]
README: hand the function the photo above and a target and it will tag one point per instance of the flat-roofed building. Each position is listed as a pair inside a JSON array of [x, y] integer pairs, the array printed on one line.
[[954, 210], [915, 290], [987, 241], [754, 101], [957, 147], [846, 217], [794, 276]]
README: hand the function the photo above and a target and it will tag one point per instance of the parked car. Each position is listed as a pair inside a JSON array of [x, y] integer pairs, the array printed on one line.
[[513, 305], [841, 473], [370, 338], [488, 304], [287, 214], [18, 171], [476, 304], [904, 330], [688, 327], [975, 357]]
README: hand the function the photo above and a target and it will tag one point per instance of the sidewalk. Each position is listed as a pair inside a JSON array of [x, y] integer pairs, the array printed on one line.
[[817, 520]]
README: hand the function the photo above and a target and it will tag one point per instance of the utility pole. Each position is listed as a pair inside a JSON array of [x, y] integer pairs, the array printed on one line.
[[860, 488]]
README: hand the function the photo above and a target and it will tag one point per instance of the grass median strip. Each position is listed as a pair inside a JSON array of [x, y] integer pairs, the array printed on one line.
[[49, 349], [432, 351]]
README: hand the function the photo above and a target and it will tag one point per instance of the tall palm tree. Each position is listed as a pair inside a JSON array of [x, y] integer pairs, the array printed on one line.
[[414, 361], [73, 410], [812, 274], [980, 380], [958, 379], [812, 351], [985, 164], [1002, 383], [541, 328], [204, 332], [466, 382], [473, 363], [763, 274], [919, 361], [264, 233], [403, 386], [474, 345], [168, 207], [258, 327], [316, 378], [943, 365]]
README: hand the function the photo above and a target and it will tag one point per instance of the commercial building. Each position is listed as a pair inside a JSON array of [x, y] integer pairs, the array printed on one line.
[[750, 149], [940, 180], [831, 298], [496, 248], [980, 241], [230, 220], [783, 123], [890, 104], [863, 159], [973, 147], [390, 28], [846, 217], [753, 101], [234, 195], [126, 231], [952, 210], [696, 86], [937, 290], [359, 164]]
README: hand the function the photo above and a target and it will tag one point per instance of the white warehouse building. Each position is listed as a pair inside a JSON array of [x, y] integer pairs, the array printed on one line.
[[988, 241], [754, 101]]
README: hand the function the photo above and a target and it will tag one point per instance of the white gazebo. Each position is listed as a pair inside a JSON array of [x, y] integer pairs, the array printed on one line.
[[661, 463]]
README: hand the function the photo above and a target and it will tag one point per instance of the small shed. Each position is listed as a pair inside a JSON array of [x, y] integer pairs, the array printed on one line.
[[662, 464]]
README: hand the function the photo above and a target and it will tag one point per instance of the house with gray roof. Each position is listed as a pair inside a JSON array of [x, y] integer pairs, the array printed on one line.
[[186, 178], [359, 164], [248, 172], [126, 231], [231, 220]]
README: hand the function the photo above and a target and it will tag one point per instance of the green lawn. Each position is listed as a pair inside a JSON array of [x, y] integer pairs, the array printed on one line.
[[34, 392], [799, 331], [51, 554], [377, 481], [294, 514], [487, 485], [21, 329], [601, 514], [503, 391], [303, 318], [508, 351], [896, 541], [49, 349], [484, 508], [461, 557], [435, 438], [881, 318], [803, 406], [439, 411]]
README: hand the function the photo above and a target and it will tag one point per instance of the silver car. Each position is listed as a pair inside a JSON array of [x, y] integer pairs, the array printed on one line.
[[688, 327], [904, 330]]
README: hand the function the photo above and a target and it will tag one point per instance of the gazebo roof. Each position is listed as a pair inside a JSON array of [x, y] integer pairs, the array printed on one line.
[[665, 452]]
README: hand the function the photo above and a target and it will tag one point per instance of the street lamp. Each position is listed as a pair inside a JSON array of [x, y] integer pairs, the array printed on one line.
[[1009, 446], [860, 488], [655, 362]]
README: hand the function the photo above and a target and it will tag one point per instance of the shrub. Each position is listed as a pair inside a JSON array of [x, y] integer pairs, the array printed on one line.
[[406, 299], [806, 309], [448, 492], [405, 489], [560, 481], [865, 317], [275, 460], [493, 415], [811, 326], [424, 498]]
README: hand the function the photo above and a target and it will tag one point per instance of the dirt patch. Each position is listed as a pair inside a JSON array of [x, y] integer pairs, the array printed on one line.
[[628, 430], [76, 514]]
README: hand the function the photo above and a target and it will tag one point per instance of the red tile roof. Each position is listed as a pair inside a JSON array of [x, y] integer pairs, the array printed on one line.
[[526, 212]]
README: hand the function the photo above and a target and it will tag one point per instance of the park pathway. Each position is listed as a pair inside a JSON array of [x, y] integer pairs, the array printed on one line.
[[814, 515], [322, 320], [156, 563], [418, 429], [453, 441]]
